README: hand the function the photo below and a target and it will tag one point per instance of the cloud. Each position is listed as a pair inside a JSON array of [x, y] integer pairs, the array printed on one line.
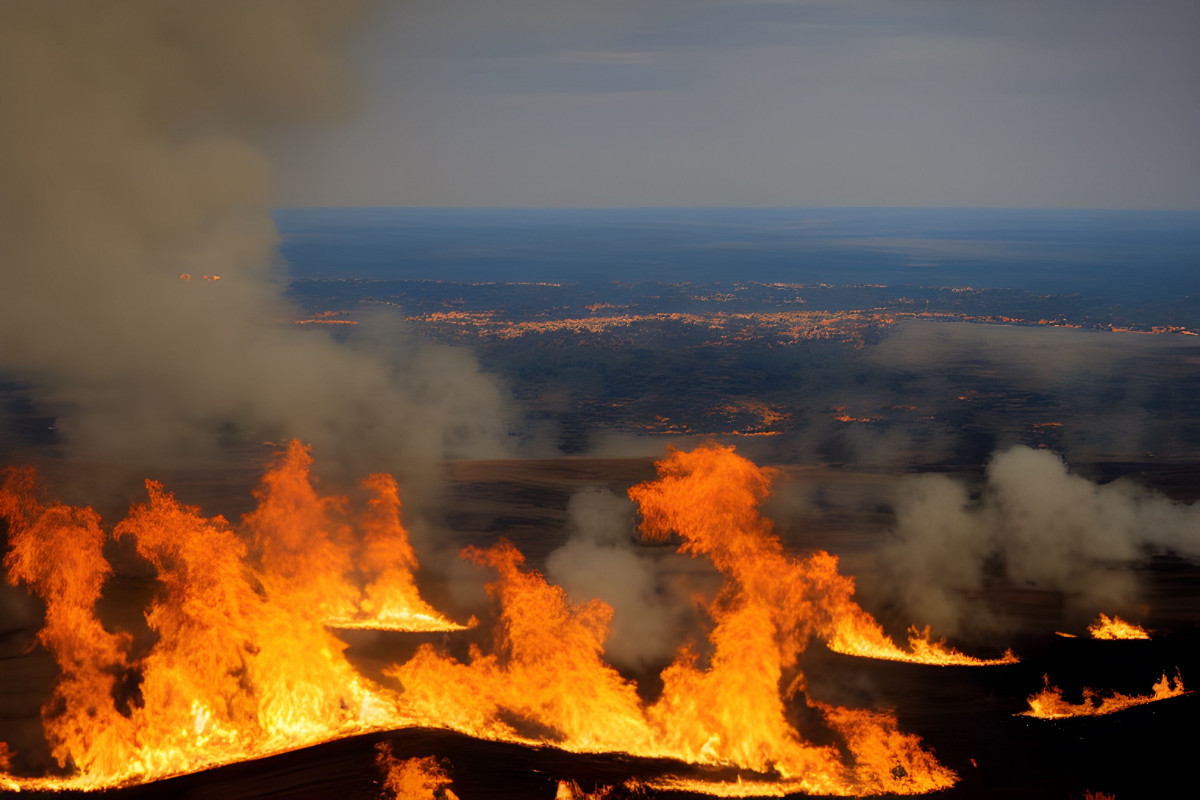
[[846, 102]]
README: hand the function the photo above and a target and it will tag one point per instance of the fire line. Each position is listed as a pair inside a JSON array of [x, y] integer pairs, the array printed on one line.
[[246, 665]]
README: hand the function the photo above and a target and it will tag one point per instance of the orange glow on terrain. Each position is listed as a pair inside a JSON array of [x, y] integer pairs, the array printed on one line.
[[854, 327]]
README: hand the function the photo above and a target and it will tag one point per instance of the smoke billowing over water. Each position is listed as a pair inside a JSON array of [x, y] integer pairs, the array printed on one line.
[[130, 156]]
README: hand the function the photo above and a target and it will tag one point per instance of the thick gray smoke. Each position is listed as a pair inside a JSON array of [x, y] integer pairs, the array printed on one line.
[[1035, 525], [128, 158], [601, 561]]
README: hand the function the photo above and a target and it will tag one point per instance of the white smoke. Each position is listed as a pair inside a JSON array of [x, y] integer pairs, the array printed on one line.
[[600, 560], [1035, 525]]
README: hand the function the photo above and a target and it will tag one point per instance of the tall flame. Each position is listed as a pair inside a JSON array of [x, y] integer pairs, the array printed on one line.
[[770, 607], [304, 545], [301, 541], [244, 663], [56, 550], [703, 494], [546, 678], [391, 600]]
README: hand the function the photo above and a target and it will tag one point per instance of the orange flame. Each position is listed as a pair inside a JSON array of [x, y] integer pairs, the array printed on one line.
[[547, 669], [56, 551], [300, 539], [858, 636], [1116, 628], [770, 607], [304, 547], [391, 601], [244, 664], [413, 778], [703, 494], [1049, 703], [570, 790], [843, 416], [546, 678]]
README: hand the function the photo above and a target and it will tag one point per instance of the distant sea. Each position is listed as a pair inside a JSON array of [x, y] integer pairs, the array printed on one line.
[[1124, 255]]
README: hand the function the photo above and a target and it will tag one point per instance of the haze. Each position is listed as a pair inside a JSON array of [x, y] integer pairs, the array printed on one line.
[[1054, 103]]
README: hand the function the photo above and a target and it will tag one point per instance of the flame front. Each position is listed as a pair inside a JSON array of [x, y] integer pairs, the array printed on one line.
[[391, 600], [546, 678], [570, 790], [244, 663], [1049, 703], [1116, 628], [860, 636]]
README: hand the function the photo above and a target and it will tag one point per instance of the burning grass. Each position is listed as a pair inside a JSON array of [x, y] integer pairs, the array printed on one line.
[[1050, 704], [245, 663], [1116, 628]]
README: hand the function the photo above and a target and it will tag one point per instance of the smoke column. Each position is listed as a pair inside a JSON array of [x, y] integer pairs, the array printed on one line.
[[129, 156]]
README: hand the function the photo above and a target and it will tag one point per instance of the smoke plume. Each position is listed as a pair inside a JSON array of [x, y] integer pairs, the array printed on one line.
[[1035, 525], [130, 156], [601, 561]]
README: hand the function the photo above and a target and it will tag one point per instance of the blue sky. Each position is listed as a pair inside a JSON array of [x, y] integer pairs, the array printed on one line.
[[1008, 103]]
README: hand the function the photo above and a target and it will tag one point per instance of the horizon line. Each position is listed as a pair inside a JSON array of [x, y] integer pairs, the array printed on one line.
[[1051, 209]]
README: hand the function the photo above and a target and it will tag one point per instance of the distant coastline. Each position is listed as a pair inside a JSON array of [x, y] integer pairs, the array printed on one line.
[[1121, 256]]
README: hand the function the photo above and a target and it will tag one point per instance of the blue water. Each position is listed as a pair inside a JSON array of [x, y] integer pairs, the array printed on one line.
[[1123, 255]]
